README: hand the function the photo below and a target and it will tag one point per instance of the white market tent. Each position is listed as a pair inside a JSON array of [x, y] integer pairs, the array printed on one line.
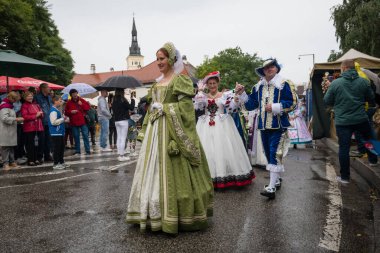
[[366, 61], [321, 118]]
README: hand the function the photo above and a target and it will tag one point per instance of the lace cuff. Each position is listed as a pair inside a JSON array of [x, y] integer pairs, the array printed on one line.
[[200, 101], [243, 98], [277, 109]]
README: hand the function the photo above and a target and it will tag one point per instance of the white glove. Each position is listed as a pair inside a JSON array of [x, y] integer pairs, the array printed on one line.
[[200, 97], [157, 106]]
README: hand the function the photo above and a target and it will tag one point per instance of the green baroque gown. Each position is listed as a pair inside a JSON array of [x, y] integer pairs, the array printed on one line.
[[172, 188]]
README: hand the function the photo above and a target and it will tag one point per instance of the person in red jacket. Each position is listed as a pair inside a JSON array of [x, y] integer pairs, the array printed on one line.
[[33, 129], [76, 109]]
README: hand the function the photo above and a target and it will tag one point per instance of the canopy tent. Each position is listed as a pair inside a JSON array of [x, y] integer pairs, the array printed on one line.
[[24, 83], [321, 117], [13, 64], [366, 61]]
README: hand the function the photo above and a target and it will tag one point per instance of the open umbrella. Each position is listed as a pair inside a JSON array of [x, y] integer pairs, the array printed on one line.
[[24, 83], [10, 83], [82, 88], [16, 65], [28, 81], [375, 79], [121, 82]]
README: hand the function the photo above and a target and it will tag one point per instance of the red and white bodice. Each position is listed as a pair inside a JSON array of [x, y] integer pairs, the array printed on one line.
[[218, 107]]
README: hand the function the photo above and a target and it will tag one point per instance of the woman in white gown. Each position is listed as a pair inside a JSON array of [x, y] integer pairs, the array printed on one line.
[[298, 132], [225, 152]]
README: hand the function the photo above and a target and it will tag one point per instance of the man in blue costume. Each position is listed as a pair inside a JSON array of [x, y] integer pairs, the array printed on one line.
[[275, 97]]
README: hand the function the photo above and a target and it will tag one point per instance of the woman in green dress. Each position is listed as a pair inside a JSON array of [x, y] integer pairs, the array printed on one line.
[[172, 188]]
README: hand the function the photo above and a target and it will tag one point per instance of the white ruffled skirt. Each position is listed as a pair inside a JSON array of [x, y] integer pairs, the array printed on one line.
[[225, 152]]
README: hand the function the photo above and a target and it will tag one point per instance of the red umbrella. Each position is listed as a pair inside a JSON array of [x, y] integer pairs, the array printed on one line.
[[28, 81], [12, 82], [24, 84]]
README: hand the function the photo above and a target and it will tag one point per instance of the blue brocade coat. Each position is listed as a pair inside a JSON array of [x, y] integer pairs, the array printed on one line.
[[280, 93]]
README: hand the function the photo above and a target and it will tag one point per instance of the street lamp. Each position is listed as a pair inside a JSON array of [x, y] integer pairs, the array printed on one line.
[[299, 57]]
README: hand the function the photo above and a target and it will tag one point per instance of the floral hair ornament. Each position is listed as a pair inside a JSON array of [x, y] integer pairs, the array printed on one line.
[[170, 48], [215, 74]]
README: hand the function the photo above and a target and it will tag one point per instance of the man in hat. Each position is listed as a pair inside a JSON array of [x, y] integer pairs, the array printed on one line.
[[274, 96]]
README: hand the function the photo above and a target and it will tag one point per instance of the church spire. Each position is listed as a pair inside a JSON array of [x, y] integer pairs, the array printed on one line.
[[134, 49], [134, 30], [134, 60]]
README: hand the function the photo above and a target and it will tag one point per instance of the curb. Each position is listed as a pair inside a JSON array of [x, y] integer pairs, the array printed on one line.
[[364, 170], [23, 169], [376, 214], [373, 178]]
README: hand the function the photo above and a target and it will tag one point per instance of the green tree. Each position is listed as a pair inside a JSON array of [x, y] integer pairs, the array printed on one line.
[[334, 55], [357, 24], [26, 27], [234, 66]]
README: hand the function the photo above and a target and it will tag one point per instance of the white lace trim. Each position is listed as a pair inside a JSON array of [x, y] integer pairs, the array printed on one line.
[[275, 168], [277, 81], [144, 201]]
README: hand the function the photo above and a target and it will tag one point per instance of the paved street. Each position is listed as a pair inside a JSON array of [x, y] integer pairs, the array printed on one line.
[[83, 209]]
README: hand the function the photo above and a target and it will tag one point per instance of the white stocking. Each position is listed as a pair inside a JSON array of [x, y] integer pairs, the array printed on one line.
[[273, 179]]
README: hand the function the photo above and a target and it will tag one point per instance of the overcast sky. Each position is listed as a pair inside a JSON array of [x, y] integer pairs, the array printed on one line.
[[99, 31]]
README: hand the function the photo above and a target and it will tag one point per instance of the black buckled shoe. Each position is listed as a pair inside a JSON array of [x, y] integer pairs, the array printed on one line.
[[269, 192], [278, 183]]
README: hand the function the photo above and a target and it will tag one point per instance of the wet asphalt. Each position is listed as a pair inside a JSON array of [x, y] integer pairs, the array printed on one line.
[[82, 209]]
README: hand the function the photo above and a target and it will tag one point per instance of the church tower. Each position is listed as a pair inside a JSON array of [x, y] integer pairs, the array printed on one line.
[[134, 60]]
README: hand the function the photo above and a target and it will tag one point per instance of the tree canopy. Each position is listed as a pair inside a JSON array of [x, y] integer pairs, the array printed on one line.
[[234, 66], [357, 24], [26, 27], [334, 55]]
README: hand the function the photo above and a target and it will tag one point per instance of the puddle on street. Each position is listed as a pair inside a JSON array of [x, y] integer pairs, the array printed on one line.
[[317, 177], [20, 182], [92, 212]]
